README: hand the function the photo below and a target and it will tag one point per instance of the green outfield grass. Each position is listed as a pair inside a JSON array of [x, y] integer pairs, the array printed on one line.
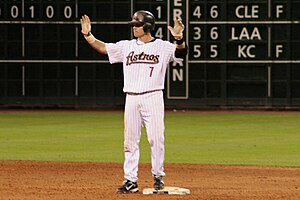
[[191, 137]]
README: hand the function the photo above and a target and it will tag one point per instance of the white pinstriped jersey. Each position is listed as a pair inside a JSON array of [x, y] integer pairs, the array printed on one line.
[[144, 64]]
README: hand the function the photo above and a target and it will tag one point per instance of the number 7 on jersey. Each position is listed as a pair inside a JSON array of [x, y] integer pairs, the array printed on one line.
[[151, 71]]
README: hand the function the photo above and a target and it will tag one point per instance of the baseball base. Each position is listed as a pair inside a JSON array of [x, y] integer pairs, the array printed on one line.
[[167, 190]]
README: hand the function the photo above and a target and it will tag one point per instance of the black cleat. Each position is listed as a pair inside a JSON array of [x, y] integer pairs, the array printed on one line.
[[158, 183], [128, 187]]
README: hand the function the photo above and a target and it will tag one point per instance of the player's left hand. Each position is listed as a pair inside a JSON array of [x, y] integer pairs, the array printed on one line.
[[177, 30]]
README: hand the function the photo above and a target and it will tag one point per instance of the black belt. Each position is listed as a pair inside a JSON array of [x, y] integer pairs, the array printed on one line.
[[141, 93]]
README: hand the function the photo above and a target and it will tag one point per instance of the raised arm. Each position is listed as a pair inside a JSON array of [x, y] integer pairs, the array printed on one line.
[[86, 26]]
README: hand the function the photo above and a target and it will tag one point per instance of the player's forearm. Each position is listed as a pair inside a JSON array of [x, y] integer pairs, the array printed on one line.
[[98, 45]]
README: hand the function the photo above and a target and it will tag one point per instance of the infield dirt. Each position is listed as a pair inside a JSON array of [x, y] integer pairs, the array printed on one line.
[[76, 180]]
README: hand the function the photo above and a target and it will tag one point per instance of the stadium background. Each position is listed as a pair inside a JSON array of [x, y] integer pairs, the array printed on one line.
[[241, 53]]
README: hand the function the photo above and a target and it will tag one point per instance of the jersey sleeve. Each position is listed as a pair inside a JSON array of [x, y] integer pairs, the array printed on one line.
[[115, 51], [172, 48]]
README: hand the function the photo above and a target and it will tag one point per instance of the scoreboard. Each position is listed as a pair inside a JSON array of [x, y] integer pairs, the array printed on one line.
[[241, 52]]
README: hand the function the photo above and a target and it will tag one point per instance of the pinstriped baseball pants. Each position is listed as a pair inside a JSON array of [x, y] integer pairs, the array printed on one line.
[[146, 110]]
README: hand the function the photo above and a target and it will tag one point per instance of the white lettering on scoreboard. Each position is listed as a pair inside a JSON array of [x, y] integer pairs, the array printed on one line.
[[177, 11], [247, 12], [252, 34], [177, 72], [245, 51], [33, 11]]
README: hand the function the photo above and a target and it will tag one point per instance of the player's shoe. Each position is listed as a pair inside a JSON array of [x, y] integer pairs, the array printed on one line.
[[158, 183], [128, 187]]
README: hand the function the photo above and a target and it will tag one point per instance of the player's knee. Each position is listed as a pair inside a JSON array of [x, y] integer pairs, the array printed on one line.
[[156, 141], [130, 148]]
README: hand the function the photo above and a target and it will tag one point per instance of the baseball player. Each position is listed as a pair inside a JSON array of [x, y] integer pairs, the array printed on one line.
[[145, 60]]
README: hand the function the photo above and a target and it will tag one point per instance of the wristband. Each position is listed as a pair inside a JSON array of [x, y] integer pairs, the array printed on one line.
[[88, 34], [90, 38], [179, 42]]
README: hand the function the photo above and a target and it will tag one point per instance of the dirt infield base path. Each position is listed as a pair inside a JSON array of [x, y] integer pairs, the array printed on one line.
[[72, 180]]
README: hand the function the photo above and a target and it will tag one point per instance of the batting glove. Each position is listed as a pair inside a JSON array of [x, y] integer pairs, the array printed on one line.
[[177, 30]]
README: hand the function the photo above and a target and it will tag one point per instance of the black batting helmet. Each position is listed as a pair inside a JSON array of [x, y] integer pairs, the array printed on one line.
[[143, 18]]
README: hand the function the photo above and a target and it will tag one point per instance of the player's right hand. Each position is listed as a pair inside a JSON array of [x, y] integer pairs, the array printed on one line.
[[85, 25]]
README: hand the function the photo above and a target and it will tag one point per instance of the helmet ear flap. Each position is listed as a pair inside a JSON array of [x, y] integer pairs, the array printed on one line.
[[148, 27]]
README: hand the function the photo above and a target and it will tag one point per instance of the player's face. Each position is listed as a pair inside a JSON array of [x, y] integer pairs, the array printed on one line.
[[138, 31]]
